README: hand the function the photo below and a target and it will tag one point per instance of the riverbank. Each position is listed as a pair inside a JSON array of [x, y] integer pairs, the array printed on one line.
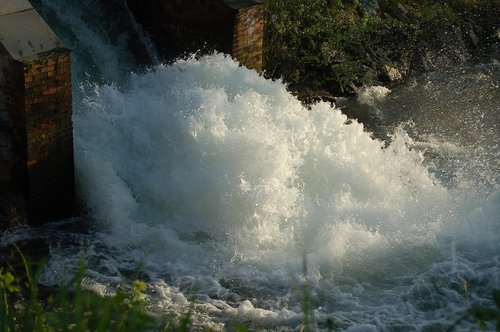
[[332, 48]]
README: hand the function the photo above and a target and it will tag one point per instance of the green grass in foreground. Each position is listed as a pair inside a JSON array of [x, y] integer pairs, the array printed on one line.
[[72, 308], [75, 309]]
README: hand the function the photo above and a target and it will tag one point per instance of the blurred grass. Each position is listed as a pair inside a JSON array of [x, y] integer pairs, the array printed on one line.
[[72, 308]]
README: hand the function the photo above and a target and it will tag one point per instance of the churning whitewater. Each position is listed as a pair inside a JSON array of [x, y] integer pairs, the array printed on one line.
[[209, 148], [210, 178], [226, 195]]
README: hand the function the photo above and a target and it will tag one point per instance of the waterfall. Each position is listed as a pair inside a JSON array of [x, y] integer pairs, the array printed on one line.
[[208, 179]]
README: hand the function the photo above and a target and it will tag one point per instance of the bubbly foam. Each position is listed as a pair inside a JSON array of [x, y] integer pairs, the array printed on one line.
[[215, 186], [206, 171], [206, 147]]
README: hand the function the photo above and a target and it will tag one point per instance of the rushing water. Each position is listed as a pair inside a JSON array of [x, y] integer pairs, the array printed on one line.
[[215, 186]]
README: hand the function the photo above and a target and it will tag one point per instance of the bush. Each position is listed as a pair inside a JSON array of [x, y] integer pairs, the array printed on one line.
[[331, 47]]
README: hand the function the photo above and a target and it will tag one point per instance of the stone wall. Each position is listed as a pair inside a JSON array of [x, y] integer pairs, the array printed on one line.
[[249, 37]]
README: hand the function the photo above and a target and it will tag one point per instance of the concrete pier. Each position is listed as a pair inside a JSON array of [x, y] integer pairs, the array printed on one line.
[[36, 170]]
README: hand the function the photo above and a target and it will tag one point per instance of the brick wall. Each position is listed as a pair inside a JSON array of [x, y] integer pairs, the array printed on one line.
[[49, 136], [36, 174], [36, 131], [13, 173], [249, 37]]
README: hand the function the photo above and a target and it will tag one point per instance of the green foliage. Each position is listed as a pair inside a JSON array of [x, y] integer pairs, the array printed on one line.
[[296, 42], [334, 46], [72, 308], [8, 282], [484, 315]]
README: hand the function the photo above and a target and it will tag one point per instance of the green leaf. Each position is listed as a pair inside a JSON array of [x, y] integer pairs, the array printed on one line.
[[9, 278], [8, 282], [13, 289], [140, 285], [239, 327]]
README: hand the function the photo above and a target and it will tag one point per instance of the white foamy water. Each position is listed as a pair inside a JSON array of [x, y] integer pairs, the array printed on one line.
[[214, 186], [211, 178]]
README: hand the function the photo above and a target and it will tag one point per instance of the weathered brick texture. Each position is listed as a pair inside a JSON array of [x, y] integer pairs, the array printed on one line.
[[49, 136], [37, 102], [180, 26], [36, 146], [249, 37]]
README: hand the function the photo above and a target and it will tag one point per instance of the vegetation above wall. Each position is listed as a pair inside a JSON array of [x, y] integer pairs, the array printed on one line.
[[326, 48]]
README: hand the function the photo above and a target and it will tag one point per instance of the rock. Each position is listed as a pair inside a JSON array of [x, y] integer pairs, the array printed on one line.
[[392, 74], [369, 95]]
